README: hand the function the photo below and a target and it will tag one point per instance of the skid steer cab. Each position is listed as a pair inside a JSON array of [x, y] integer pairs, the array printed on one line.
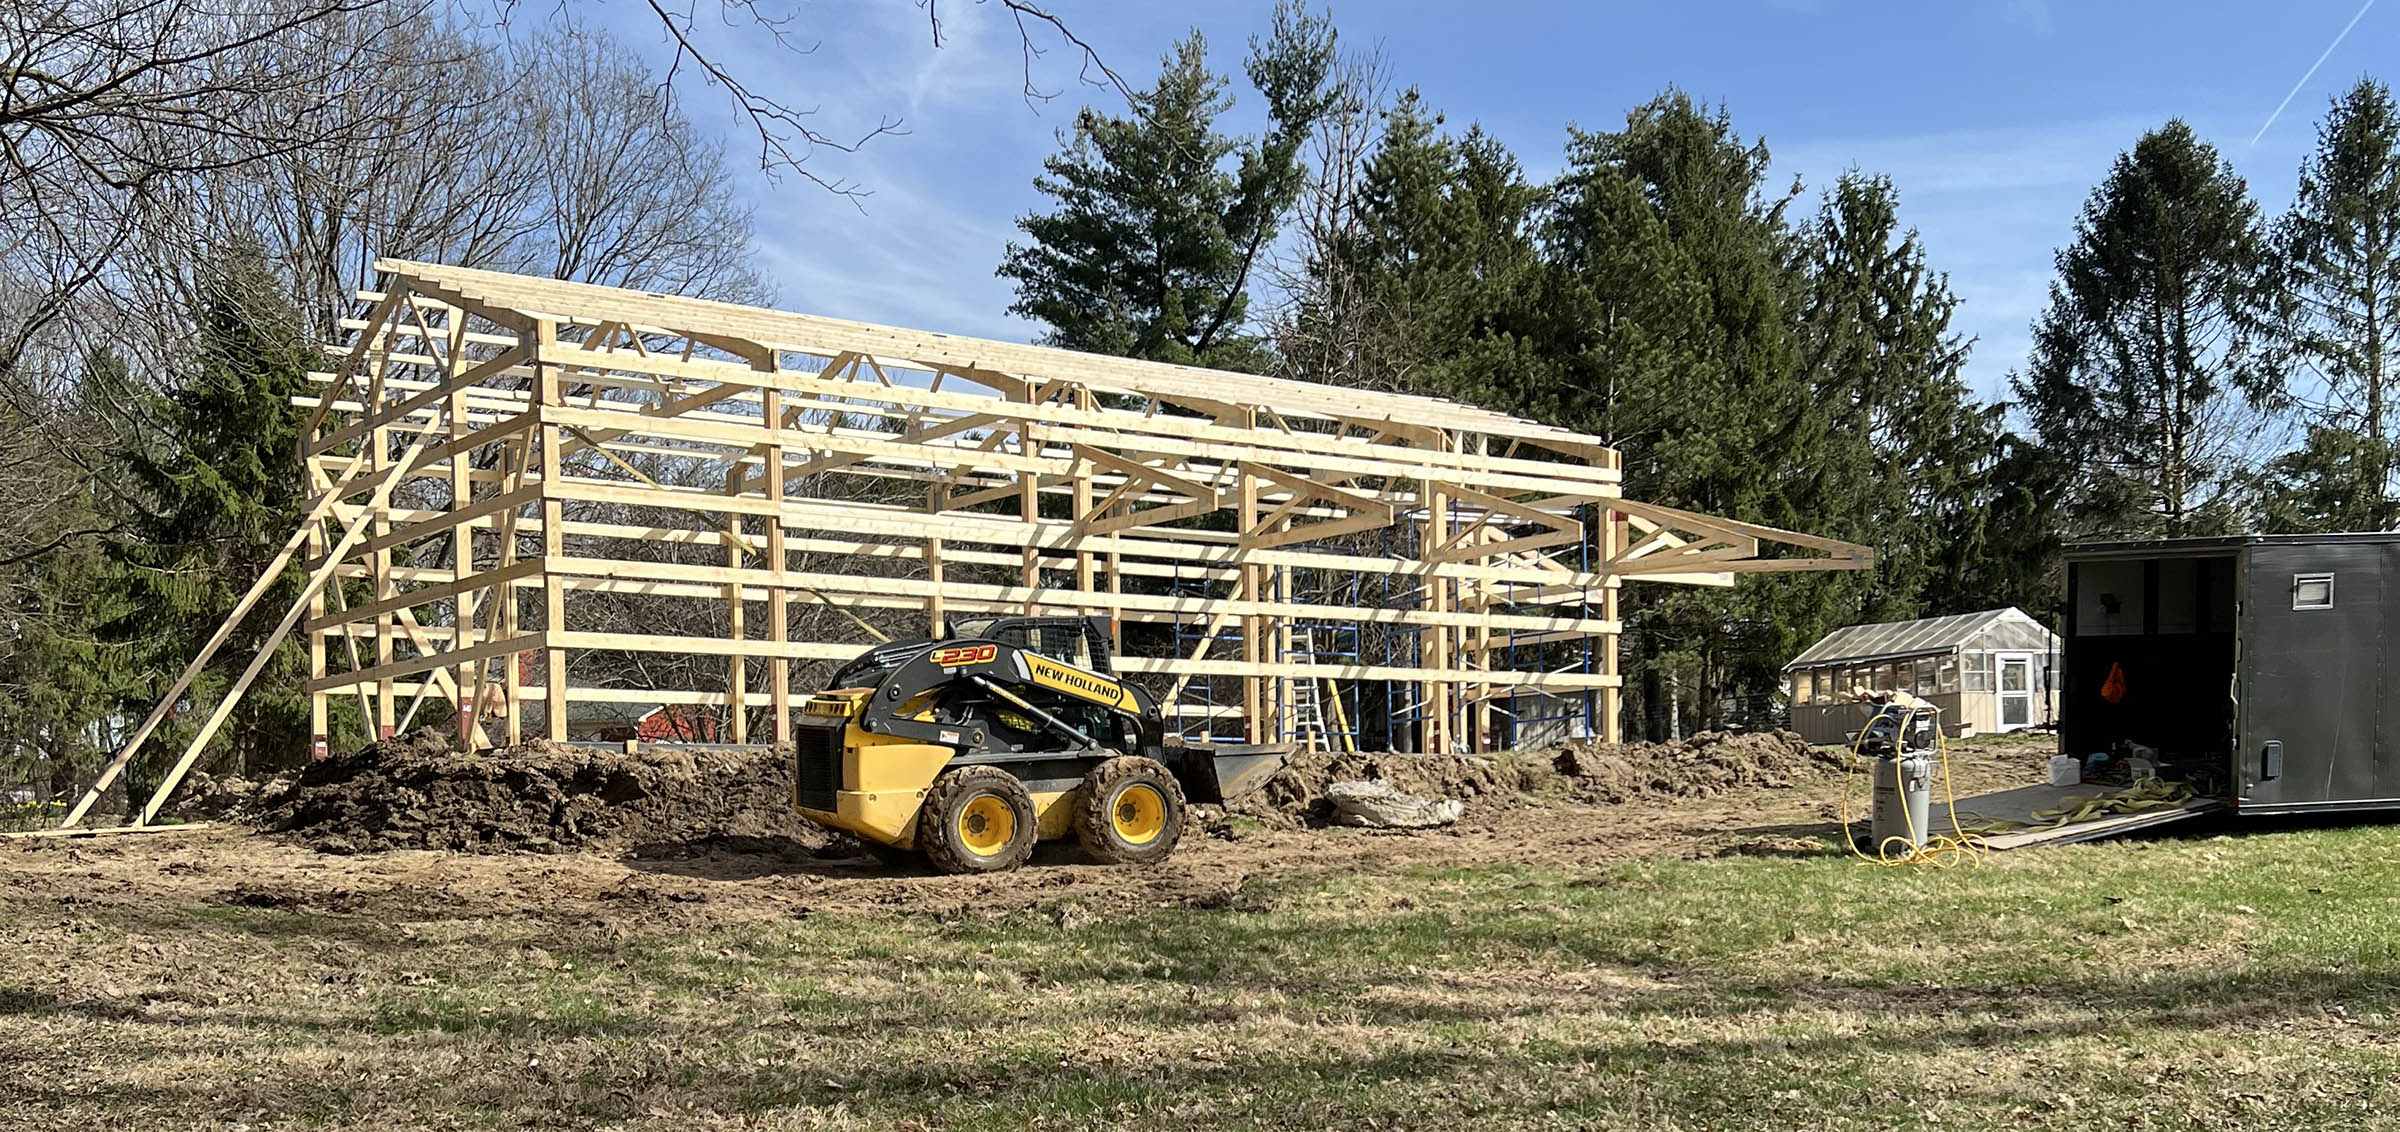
[[971, 748]]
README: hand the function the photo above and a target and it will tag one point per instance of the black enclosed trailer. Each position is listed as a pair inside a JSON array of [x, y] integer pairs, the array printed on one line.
[[2264, 670]]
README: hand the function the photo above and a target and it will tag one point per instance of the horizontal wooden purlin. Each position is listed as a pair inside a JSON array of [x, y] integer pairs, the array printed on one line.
[[416, 664], [912, 528], [481, 408], [536, 691], [814, 650], [911, 553], [739, 436], [442, 521], [472, 337], [1522, 640], [1103, 425], [1087, 599], [806, 442], [1044, 534], [1009, 491], [1508, 678], [429, 594], [1770, 566], [706, 646]]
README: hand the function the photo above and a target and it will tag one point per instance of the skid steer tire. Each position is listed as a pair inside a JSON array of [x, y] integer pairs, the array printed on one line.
[[976, 819], [1130, 812]]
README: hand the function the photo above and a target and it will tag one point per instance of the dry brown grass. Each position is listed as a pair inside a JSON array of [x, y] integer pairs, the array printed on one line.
[[1286, 980]]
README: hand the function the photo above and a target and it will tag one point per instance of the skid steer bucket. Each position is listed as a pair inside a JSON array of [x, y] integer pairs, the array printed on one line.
[[1218, 773]]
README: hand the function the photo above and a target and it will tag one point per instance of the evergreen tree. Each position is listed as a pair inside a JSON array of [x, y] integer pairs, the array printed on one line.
[[1447, 254], [1674, 285], [217, 494], [2338, 254], [1151, 245], [2148, 335], [1900, 444], [1674, 280]]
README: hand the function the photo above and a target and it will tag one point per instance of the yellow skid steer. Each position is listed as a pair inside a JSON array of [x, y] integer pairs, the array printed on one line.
[[971, 748]]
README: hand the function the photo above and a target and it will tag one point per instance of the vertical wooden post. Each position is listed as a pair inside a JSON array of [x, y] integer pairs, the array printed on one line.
[[779, 610], [1029, 507], [1083, 511], [1286, 721], [737, 666], [1254, 725], [462, 540], [554, 593], [1478, 717], [319, 736], [508, 611], [1434, 658], [379, 451], [937, 499], [1612, 699]]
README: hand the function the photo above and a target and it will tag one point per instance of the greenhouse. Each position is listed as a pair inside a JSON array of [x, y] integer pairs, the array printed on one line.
[[1987, 672]]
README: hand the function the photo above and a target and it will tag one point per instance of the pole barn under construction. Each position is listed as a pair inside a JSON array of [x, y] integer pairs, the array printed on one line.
[[537, 496]]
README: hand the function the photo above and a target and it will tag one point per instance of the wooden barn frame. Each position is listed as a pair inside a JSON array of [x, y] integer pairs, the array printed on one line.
[[493, 452]]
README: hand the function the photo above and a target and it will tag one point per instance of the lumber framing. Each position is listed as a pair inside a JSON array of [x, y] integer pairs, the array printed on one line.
[[522, 490]]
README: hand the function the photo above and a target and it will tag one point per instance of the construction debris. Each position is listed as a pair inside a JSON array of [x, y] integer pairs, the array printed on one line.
[[1376, 805], [1702, 766]]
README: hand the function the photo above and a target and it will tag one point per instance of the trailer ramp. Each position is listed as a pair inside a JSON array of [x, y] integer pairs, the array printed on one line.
[[2025, 817]]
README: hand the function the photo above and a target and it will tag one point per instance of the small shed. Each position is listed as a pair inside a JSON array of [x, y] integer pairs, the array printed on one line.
[[604, 722], [1987, 672]]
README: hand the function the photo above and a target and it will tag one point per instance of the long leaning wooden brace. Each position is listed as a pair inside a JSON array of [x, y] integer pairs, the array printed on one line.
[[208, 651], [317, 578]]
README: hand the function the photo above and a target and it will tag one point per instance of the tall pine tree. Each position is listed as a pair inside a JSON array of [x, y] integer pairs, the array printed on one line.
[[1152, 242], [217, 494], [1446, 250], [2338, 326], [2138, 364], [1674, 285], [1899, 443]]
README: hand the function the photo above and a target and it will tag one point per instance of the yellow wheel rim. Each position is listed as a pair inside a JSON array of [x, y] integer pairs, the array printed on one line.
[[986, 826], [1139, 815]]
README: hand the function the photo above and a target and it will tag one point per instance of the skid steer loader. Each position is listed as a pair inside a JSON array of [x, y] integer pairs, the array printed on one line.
[[1008, 731]]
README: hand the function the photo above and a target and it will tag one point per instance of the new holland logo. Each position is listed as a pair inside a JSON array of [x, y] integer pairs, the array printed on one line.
[[1067, 679]]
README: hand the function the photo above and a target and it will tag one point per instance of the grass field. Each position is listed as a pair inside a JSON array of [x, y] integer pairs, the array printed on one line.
[[2204, 983]]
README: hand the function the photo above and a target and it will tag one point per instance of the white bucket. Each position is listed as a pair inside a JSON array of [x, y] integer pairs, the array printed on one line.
[[2066, 770]]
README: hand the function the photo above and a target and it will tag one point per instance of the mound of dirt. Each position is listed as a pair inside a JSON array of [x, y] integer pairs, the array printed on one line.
[[415, 792], [1702, 766]]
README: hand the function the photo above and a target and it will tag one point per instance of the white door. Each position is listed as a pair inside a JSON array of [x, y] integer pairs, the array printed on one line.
[[2016, 689]]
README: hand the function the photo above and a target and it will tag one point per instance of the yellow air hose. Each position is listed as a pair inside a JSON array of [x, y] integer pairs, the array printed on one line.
[[1946, 851]]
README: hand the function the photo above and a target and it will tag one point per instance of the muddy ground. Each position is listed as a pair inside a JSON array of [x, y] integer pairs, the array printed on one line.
[[737, 877]]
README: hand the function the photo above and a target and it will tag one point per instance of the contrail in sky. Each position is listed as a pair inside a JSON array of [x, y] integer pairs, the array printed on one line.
[[2312, 71]]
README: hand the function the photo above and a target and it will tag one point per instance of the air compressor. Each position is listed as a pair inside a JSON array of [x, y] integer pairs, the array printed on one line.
[[1900, 742]]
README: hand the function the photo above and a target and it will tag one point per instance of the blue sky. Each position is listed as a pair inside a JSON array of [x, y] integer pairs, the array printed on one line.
[[1994, 117]]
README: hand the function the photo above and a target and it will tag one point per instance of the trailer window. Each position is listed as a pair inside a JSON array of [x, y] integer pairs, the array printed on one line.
[[2312, 591]]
